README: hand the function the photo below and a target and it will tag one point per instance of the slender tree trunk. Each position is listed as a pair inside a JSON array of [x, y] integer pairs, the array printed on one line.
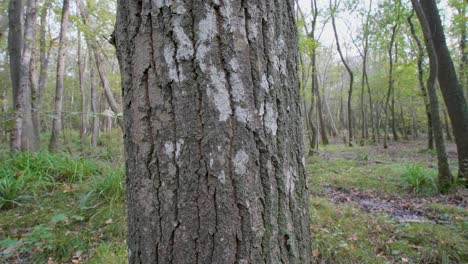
[[94, 103], [81, 74], [315, 85], [213, 132], [463, 51], [44, 54], [105, 84], [415, 125], [447, 126], [95, 110], [404, 130], [323, 129], [394, 131], [332, 121], [427, 105], [451, 88], [91, 43], [15, 41], [342, 113], [351, 77], [445, 176], [58, 101], [4, 107], [390, 84], [363, 81], [371, 108]]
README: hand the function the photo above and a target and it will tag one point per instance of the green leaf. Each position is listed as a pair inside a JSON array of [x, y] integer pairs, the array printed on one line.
[[58, 218]]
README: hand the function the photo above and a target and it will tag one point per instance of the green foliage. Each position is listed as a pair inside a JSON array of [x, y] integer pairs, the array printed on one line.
[[106, 188], [11, 189], [420, 179], [344, 233], [27, 174], [53, 224]]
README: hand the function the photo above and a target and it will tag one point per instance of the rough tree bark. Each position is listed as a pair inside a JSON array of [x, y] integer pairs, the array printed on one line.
[[451, 88], [213, 132], [58, 101], [445, 176]]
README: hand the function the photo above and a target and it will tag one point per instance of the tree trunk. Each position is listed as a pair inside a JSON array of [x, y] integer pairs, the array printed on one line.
[[445, 176], [404, 130], [315, 85], [415, 125], [95, 110], [44, 55], [105, 84], [447, 126], [351, 77], [364, 78], [91, 42], [390, 84], [450, 86], [332, 121], [23, 136], [213, 132], [81, 74], [58, 101], [427, 105], [15, 40], [461, 9]]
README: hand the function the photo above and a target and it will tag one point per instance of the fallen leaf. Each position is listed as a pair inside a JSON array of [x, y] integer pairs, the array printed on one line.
[[315, 252], [109, 221]]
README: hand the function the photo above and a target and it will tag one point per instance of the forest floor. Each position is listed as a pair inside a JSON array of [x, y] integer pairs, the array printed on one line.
[[63, 208], [364, 211]]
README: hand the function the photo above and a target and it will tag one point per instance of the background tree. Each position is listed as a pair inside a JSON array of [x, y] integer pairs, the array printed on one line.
[[450, 86], [445, 176], [58, 101]]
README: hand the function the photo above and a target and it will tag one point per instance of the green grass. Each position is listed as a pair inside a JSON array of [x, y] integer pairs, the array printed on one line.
[[71, 207], [62, 206], [344, 233], [420, 179]]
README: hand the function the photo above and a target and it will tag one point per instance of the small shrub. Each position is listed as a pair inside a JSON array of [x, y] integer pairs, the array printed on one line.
[[419, 179]]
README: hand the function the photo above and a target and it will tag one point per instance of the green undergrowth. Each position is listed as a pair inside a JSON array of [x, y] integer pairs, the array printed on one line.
[[70, 208], [61, 207], [346, 233]]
